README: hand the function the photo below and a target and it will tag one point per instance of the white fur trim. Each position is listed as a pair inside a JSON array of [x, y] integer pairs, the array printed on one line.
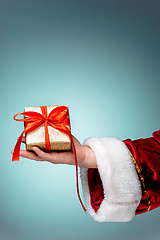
[[121, 185]]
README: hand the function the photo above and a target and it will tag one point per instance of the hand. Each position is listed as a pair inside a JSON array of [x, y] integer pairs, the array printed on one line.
[[85, 155]]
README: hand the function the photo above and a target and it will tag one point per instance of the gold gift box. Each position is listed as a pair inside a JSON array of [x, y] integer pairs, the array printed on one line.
[[59, 141]]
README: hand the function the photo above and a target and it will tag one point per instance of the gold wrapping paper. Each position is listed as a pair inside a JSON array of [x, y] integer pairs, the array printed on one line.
[[59, 141]]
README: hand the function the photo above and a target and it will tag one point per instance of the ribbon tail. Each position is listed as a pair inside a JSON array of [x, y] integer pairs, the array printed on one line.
[[66, 130], [76, 163], [15, 156]]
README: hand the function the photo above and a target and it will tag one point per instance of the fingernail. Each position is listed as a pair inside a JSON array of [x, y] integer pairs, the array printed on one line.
[[12, 151]]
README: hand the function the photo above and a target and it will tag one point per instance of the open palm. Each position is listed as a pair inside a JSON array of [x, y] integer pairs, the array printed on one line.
[[85, 155]]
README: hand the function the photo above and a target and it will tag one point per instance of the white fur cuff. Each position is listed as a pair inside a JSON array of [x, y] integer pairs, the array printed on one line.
[[121, 185]]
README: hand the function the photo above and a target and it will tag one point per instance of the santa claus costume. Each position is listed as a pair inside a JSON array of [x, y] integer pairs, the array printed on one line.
[[127, 181]]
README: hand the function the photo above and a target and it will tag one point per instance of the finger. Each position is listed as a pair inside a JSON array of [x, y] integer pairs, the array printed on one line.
[[76, 142], [41, 154], [55, 157], [24, 139], [30, 155]]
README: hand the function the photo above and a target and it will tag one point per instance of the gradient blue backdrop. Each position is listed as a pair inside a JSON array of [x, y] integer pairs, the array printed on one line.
[[102, 59]]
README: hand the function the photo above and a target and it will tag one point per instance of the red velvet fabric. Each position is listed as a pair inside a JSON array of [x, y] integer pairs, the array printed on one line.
[[146, 153], [95, 188]]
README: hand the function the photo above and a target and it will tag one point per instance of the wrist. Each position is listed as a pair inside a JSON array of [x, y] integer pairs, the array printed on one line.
[[89, 158]]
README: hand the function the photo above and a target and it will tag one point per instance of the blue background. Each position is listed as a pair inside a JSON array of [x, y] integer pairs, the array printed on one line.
[[102, 59]]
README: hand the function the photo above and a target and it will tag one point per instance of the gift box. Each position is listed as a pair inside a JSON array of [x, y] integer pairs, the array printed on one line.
[[59, 141], [47, 127]]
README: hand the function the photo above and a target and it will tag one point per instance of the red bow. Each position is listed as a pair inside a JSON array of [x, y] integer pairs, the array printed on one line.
[[58, 118]]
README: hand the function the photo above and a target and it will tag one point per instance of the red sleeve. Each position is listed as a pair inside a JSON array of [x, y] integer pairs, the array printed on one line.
[[146, 157]]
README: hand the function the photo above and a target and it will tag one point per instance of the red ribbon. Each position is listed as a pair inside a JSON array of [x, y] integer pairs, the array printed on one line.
[[57, 118]]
